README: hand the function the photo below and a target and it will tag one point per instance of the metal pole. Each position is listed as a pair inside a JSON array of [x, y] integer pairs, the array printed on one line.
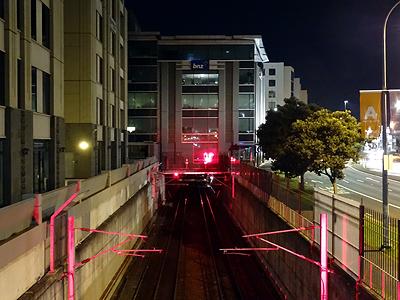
[[71, 258], [324, 256], [385, 205]]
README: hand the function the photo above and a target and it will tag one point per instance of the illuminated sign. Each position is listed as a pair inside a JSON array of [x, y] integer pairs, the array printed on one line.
[[199, 64], [370, 113], [208, 157]]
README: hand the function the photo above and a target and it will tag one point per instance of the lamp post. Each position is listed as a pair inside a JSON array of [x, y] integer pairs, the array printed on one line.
[[384, 107], [345, 104]]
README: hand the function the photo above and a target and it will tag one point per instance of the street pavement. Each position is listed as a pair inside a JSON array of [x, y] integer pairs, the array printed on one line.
[[361, 184]]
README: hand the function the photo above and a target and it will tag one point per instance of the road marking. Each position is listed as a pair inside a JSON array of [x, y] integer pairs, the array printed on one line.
[[390, 190], [317, 181], [367, 196], [372, 174], [346, 181], [374, 180], [359, 180]]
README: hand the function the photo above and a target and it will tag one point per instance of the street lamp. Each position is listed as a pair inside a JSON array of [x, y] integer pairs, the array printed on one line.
[[384, 106], [345, 104]]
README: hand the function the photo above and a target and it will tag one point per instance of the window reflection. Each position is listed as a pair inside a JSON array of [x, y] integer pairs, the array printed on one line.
[[138, 100], [200, 79]]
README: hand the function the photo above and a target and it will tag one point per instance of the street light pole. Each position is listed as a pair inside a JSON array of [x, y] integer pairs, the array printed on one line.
[[384, 107], [345, 104]]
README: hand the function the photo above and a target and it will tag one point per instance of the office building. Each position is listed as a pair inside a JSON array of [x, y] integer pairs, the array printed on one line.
[[95, 86], [31, 98], [191, 98]]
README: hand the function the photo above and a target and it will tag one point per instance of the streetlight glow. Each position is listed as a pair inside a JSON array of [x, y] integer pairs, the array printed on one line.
[[83, 145], [345, 104]]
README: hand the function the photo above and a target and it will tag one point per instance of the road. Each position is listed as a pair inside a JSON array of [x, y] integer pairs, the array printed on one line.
[[360, 185]]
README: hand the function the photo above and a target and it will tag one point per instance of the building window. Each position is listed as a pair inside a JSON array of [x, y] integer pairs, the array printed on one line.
[[2, 174], [121, 56], [33, 19], [143, 125], [137, 100], [246, 125], [99, 111], [121, 24], [20, 83], [199, 101], [34, 89], [2, 79], [200, 79], [246, 76], [2, 3], [20, 14], [112, 83], [113, 10], [41, 166], [142, 73], [99, 27], [271, 105], [246, 101], [45, 26], [122, 88], [271, 82], [272, 72], [112, 42], [99, 69], [122, 118], [46, 93], [112, 116], [271, 94]]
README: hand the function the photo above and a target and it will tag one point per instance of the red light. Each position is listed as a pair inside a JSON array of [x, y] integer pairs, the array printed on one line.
[[208, 157], [176, 174]]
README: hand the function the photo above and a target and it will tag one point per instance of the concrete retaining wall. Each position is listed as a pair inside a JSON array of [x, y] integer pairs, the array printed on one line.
[[298, 278]]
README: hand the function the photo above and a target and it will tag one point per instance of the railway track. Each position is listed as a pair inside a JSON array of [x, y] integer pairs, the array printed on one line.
[[191, 229]]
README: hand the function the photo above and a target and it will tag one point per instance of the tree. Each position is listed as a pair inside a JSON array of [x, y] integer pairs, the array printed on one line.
[[328, 140], [274, 133]]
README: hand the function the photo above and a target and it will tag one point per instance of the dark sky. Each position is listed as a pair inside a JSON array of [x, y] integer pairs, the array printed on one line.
[[335, 46]]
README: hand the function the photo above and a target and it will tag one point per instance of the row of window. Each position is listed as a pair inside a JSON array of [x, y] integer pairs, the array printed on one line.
[[112, 114], [200, 79], [45, 24], [199, 101]]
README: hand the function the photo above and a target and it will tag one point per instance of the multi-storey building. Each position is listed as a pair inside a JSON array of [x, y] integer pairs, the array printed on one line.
[[31, 98], [281, 84], [192, 97], [95, 86]]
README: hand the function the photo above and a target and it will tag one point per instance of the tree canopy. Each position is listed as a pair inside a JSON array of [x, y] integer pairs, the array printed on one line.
[[327, 140], [272, 134]]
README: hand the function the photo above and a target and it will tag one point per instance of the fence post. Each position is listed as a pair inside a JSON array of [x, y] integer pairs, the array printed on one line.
[[398, 260], [360, 251]]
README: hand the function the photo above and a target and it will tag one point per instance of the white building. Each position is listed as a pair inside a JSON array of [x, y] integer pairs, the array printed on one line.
[[281, 84]]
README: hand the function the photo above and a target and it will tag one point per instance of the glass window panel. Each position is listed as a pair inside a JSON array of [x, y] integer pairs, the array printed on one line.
[[200, 125], [187, 125], [246, 113], [45, 26], [246, 137], [187, 101], [143, 125], [213, 125], [272, 71], [143, 73], [187, 79], [271, 82], [246, 76], [213, 101], [34, 89], [213, 79], [142, 100], [246, 125], [246, 101], [200, 101]]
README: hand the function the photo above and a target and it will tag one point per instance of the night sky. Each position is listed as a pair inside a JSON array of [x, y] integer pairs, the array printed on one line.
[[335, 46]]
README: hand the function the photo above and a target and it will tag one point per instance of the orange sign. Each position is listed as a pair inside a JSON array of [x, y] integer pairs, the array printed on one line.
[[370, 113]]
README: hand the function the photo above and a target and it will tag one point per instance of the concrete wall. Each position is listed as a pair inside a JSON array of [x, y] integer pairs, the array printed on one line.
[[119, 200], [297, 278]]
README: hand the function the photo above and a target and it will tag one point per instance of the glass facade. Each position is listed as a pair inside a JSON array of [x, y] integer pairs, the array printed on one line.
[[41, 166], [246, 103], [142, 97], [200, 110]]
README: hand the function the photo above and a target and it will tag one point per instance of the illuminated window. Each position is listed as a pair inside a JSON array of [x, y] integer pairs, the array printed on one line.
[[143, 125], [246, 125], [246, 101], [205, 153], [139, 100], [200, 79]]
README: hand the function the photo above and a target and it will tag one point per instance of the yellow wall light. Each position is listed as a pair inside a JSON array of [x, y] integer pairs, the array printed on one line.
[[83, 145]]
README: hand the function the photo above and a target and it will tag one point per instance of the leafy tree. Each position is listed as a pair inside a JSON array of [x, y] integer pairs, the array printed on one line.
[[328, 140], [274, 133]]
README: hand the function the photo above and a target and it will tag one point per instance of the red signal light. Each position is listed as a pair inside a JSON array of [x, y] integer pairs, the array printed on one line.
[[208, 157], [176, 174]]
